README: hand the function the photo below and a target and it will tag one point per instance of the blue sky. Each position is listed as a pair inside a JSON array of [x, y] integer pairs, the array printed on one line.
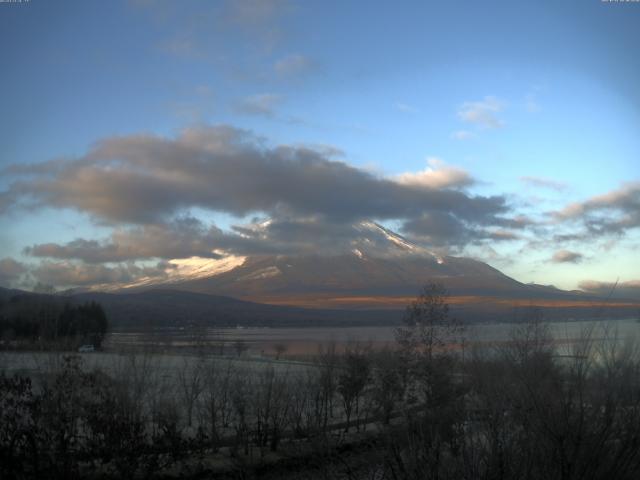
[[535, 102]]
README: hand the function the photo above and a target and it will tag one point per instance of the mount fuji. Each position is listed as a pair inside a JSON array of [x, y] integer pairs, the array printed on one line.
[[382, 270], [370, 280]]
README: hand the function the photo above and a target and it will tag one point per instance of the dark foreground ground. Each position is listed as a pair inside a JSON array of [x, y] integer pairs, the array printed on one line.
[[517, 409]]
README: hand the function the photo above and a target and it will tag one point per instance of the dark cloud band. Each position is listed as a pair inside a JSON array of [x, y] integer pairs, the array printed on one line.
[[148, 179]]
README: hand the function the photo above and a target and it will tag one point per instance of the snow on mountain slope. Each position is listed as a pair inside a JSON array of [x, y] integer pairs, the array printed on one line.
[[378, 241], [182, 270], [393, 237], [196, 267]]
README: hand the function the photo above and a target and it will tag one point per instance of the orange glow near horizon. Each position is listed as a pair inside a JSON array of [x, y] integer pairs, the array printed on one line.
[[396, 302]]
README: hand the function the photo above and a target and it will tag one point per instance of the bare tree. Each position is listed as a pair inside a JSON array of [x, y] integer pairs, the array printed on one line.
[[327, 382], [388, 387], [240, 403], [353, 378], [191, 383], [302, 393], [240, 346], [215, 401], [271, 404], [280, 349], [428, 326]]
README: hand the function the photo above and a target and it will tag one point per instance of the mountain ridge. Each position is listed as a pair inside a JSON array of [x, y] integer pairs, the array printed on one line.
[[378, 264], [372, 281]]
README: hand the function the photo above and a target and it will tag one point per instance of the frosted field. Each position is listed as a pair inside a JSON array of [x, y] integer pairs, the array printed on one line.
[[160, 366]]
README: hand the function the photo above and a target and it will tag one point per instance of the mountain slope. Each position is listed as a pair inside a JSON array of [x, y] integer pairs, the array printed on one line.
[[381, 264], [382, 270]]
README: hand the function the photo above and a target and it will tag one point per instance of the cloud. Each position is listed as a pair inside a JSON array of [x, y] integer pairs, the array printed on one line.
[[10, 271], [531, 104], [311, 235], [113, 261], [544, 183], [149, 179], [142, 3], [566, 256], [72, 274], [191, 112], [567, 237], [444, 230], [189, 237], [629, 289], [439, 229], [253, 13], [145, 187], [182, 238], [295, 65], [317, 235], [203, 90], [405, 108], [206, 31], [183, 46], [463, 135], [264, 104], [501, 235], [197, 106], [613, 213], [257, 20], [482, 113], [437, 175]]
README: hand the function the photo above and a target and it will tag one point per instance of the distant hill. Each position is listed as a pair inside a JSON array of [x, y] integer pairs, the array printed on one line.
[[178, 308], [174, 307]]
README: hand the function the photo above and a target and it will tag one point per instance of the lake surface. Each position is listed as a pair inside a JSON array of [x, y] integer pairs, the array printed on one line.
[[167, 350], [263, 341]]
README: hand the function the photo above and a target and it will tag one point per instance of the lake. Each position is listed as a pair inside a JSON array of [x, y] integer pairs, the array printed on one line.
[[296, 341]]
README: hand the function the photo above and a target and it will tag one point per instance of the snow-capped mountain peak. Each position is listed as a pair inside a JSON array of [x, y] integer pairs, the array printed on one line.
[[366, 241], [386, 242]]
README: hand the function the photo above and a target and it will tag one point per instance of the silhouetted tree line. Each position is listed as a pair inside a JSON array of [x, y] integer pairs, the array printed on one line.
[[422, 411], [74, 424], [34, 318]]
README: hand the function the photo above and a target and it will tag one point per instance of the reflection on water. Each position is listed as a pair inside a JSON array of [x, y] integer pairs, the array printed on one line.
[[308, 340]]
